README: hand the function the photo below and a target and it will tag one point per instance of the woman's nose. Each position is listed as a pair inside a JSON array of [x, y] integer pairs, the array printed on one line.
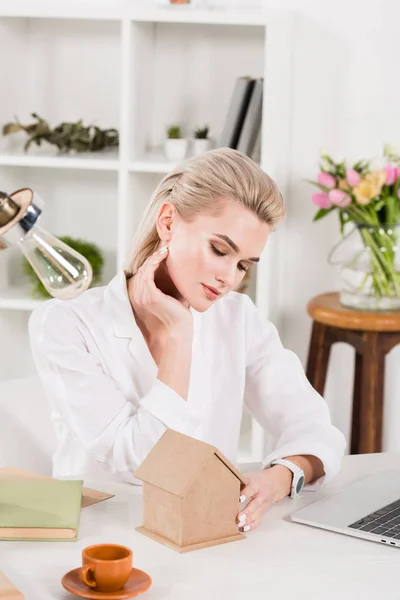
[[227, 276]]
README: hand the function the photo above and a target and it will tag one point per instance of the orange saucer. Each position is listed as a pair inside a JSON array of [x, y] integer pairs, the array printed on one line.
[[138, 582]]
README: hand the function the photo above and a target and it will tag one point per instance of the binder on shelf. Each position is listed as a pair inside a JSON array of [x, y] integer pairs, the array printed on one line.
[[236, 112], [256, 154], [252, 121]]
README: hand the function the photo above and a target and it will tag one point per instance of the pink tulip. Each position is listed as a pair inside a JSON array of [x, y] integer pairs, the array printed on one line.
[[392, 174], [353, 178], [321, 200], [339, 198], [326, 180]]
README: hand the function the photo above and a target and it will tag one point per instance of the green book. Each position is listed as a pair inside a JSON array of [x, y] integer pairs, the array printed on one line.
[[40, 510]]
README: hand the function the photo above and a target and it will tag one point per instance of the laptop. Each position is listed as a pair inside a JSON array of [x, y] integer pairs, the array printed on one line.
[[367, 509]]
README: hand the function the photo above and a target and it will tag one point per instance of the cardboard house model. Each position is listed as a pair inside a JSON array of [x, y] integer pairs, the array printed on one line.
[[190, 494]]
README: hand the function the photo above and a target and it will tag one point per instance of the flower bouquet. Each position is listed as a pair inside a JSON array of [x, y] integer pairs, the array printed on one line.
[[370, 200]]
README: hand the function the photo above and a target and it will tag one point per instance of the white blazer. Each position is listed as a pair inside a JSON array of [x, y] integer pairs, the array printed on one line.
[[109, 408]]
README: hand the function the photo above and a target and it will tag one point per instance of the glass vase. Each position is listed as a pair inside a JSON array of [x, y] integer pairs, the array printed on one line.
[[369, 257]]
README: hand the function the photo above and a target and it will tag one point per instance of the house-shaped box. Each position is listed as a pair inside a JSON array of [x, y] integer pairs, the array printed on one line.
[[190, 494]]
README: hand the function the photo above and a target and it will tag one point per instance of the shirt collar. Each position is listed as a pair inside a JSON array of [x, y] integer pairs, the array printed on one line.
[[119, 307]]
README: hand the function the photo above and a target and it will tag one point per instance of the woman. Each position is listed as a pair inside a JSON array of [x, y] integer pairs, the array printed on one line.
[[170, 344]]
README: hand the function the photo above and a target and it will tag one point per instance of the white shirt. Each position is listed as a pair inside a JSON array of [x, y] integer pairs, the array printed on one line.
[[109, 408]]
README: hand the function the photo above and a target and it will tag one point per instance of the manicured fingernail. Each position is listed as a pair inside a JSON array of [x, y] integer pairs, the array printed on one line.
[[245, 528], [163, 249], [242, 519], [242, 498]]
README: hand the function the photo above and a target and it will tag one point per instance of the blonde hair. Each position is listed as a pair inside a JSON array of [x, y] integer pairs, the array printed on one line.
[[195, 187]]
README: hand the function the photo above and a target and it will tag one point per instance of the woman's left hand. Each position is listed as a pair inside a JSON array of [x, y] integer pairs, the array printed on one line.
[[262, 490]]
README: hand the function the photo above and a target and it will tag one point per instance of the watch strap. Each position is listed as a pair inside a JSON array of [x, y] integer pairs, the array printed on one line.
[[287, 463], [298, 473]]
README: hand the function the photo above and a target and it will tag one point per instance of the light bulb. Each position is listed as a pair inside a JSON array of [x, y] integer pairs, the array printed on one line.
[[64, 272]]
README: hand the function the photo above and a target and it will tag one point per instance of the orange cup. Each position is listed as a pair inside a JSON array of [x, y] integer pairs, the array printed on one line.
[[106, 567]]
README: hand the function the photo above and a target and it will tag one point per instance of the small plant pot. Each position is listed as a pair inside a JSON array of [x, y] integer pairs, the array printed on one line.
[[175, 149], [200, 145]]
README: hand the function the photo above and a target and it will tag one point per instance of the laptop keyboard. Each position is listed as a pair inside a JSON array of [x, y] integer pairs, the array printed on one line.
[[385, 521]]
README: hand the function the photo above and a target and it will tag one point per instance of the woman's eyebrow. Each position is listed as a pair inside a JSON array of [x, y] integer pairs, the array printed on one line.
[[234, 246]]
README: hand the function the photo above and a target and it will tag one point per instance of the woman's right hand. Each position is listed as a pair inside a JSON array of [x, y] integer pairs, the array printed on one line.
[[147, 295]]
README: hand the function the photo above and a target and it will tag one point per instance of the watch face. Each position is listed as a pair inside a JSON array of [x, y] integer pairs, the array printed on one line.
[[300, 484]]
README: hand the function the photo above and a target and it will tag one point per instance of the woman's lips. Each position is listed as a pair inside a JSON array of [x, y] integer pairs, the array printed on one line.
[[211, 293]]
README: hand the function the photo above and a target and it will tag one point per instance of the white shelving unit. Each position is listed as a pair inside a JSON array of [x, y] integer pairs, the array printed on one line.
[[18, 298], [137, 67], [94, 161], [152, 161]]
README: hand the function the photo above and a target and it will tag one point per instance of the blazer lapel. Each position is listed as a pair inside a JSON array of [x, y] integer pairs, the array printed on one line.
[[124, 324]]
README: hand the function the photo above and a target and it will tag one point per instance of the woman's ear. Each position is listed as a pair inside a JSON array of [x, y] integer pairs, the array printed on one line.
[[165, 221]]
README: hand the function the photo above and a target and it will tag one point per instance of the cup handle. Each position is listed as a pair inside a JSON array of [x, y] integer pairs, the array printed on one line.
[[83, 575]]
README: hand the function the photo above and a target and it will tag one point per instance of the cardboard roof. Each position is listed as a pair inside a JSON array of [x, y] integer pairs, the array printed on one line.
[[175, 460]]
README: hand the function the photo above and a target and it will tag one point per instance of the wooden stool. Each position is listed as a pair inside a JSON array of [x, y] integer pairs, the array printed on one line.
[[373, 335]]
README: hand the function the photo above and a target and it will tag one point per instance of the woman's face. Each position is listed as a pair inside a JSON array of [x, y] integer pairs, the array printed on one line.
[[209, 256]]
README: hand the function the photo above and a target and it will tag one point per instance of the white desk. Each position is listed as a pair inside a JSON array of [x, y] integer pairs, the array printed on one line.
[[280, 560]]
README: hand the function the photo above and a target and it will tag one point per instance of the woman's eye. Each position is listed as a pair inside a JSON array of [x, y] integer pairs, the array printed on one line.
[[220, 253], [216, 251]]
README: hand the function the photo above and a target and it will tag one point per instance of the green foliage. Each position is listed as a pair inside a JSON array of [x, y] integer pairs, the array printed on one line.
[[322, 212], [201, 133], [377, 203], [88, 249], [391, 155], [66, 136], [338, 169], [174, 132]]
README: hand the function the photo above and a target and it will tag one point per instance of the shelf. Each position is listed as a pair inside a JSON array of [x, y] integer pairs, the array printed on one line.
[[153, 161], [63, 9], [115, 10], [211, 16], [104, 161], [18, 298]]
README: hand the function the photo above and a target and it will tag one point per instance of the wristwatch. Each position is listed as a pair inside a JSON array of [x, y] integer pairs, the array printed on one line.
[[298, 475]]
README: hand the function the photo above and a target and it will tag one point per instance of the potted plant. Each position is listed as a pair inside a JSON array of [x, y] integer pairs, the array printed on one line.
[[201, 141], [175, 144], [67, 136]]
